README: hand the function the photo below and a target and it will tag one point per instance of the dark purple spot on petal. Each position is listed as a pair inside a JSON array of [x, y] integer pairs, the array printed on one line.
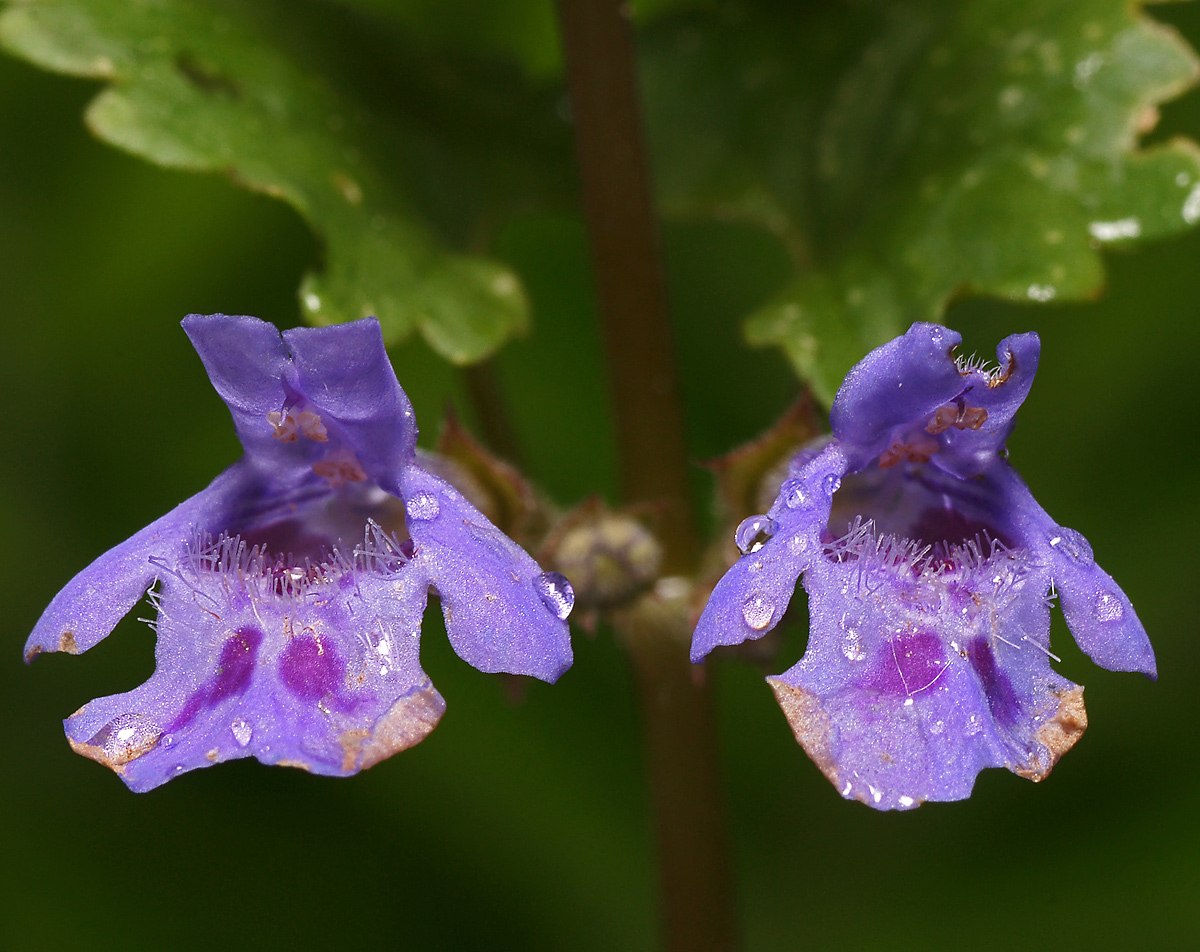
[[1001, 698], [908, 664], [191, 708], [310, 668], [236, 665], [235, 668]]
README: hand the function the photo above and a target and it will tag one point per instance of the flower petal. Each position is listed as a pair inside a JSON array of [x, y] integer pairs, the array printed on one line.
[[752, 597], [503, 613], [1099, 614], [987, 407], [903, 697], [895, 385], [345, 371], [90, 605], [247, 362], [1101, 617], [325, 677]]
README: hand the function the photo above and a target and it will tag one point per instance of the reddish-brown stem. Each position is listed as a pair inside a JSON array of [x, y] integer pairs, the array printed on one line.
[[628, 267], [695, 882]]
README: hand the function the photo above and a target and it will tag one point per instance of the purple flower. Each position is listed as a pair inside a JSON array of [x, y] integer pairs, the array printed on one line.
[[290, 591], [930, 571]]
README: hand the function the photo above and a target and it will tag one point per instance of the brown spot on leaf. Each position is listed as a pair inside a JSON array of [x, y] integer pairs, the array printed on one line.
[[1057, 735]]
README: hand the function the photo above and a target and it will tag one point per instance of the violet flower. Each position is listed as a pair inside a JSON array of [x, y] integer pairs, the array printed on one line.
[[930, 571], [290, 591]]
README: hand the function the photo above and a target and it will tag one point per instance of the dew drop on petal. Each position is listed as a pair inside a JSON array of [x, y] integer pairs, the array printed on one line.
[[556, 594], [423, 506], [758, 612], [125, 737], [852, 646], [242, 731], [1108, 607], [1071, 543], [832, 483], [753, 533], [167, 741], [797, 543], [793, 494]]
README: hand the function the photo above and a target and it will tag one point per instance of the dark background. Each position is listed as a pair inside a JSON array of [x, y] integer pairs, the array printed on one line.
[[523, 825]]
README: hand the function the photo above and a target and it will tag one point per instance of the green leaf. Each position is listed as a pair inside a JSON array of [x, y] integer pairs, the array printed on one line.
[[390, 156], [910, 152]]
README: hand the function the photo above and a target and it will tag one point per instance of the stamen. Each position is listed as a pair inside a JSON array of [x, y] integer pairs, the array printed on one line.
[[289, 426], [957, 415], [339, 470]]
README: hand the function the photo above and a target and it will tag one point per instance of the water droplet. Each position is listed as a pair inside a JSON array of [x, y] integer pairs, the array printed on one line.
[[1073, 544], [876, 793], [168, 741], [937, 727], [242, 732], [126, 737], [905, 801], [797, 543], [1108, 607], [1115, 230], [758, 612], [423, 506], [753, 533], [556, 594], [793, 493], [832, 483], [974, 725], [1191, 206], [852, 646]]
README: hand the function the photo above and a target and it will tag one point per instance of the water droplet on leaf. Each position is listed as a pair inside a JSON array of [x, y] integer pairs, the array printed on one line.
[[556, 594], [753, 533]]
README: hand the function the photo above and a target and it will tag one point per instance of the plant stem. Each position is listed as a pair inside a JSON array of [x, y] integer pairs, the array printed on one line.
[[696, 891], [628, 267]]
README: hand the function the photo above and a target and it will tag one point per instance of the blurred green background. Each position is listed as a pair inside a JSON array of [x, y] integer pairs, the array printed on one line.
[[522, 824]]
